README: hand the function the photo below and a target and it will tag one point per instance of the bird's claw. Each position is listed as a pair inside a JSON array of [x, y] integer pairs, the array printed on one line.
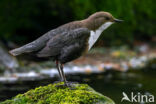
[[68, 84]]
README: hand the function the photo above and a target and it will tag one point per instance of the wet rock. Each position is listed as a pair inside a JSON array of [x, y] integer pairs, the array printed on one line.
[[6, 59]]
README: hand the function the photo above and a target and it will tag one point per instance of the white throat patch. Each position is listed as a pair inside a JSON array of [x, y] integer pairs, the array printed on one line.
[[95, 34]]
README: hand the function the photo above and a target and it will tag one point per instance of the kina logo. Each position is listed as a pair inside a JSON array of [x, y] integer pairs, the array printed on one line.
[[138, 97]]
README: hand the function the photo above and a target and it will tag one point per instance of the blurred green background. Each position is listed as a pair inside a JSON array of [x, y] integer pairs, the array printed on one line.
[[22, 21]]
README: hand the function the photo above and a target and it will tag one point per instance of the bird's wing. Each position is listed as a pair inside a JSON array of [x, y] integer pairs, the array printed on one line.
[[61, 40]]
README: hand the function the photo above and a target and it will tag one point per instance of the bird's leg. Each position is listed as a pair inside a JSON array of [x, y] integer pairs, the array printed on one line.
[[62, 75], [59, 70], [64, 78]]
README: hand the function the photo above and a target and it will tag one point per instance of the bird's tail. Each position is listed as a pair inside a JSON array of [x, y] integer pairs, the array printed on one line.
[[16, 51], [24, 49], [33, 46], [30, 47]]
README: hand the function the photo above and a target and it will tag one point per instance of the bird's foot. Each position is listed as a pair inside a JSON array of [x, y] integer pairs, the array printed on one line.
[[68, 84]]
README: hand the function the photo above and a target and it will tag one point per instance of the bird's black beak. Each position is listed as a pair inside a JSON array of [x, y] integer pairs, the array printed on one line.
[[117, 20]]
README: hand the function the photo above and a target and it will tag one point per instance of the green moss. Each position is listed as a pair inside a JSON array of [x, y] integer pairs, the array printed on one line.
[[79, 94]]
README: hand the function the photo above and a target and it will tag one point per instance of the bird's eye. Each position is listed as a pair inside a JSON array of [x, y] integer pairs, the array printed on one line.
[[107, 18]]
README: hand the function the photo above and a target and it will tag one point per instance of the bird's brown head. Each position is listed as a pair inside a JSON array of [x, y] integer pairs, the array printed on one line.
[[98, 19]]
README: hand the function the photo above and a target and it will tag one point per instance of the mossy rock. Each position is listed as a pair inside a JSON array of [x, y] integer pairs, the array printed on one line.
[[52, 94]]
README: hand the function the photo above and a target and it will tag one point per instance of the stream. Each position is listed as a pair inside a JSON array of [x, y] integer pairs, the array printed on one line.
[[110, 83]]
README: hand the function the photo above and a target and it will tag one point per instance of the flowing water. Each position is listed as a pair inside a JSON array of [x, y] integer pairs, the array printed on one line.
[[111, 84]]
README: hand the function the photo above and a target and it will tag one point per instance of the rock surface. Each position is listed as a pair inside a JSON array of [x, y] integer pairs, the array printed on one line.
[[6, 59], [58, 94]]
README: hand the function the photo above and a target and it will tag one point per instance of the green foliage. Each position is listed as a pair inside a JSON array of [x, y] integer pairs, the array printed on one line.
[[80, 94], [27, 19]]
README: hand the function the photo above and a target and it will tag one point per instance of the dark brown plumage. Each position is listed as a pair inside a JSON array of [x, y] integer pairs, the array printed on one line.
[[67, 46], [68, 41]]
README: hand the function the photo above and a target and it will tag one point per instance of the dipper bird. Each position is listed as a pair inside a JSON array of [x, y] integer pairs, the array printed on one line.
[[69, 41]]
